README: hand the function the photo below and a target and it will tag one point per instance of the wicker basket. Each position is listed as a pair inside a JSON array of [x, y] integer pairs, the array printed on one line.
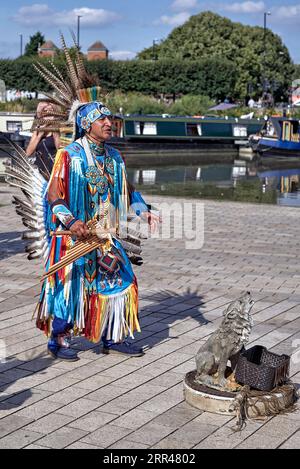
[[261, 369]]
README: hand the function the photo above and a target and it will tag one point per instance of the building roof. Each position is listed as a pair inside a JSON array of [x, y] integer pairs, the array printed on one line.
[[48, 45], [97, 46]]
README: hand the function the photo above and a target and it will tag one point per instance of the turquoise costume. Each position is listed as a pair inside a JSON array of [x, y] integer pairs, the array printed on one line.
[[97, 293]]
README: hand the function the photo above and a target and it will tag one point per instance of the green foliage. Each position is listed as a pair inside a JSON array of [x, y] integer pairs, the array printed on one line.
[[251, 191], [20, 105], [132, 103], [296, 113], [191, 105], [60, 55], [209, 35], [210, 77], [20, 75], [245, 191], [31, 49], [240, 111], [296, 75]]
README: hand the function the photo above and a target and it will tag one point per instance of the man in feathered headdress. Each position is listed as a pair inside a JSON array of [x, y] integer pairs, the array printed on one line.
[[97, 294], [89, 286]]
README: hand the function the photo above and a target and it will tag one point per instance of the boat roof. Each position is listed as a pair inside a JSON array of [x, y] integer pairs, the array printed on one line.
[[168, 117]]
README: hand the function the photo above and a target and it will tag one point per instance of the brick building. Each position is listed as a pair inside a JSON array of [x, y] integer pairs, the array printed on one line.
[[48, 49], [97, 51]]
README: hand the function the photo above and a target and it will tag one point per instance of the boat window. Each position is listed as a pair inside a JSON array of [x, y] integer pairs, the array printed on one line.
[[149, 177], [240, 131], [286, 131], [295, 132], [193, 130], [271, 131], [145, 128], [13, 126]]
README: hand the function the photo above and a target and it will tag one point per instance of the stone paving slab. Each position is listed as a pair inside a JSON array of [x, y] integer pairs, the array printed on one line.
[[119, 403]]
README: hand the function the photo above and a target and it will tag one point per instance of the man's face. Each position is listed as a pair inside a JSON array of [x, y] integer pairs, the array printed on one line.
[[101, 129]]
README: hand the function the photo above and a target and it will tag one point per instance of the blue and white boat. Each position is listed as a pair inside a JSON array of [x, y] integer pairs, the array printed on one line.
[[280, 136]]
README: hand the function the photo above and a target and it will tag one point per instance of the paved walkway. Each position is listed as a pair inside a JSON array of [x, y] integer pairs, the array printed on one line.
[[114, 402]]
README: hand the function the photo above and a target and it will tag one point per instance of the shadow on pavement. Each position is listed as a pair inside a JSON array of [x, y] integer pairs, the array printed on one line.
[[182, 306], [8, 371], [11, 244]]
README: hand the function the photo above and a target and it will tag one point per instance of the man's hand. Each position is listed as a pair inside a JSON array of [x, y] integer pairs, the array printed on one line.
[[80, 230], [152, 220]]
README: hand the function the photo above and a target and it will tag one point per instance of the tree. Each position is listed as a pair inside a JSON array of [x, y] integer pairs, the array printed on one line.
[[296, 75], [213, 77], [209, 35], [34, 43]]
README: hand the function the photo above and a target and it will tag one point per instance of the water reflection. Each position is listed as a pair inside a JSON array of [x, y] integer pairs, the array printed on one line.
[[274, 181], [269, 182]]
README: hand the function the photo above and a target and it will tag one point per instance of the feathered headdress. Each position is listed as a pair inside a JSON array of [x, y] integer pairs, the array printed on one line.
[[70, 91]]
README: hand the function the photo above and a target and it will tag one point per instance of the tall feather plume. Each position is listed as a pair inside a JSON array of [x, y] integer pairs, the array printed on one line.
[[71, 68], [57, 71], [54, 82], [85, 80], [74, 85], [57, 100], [79, 64], [60, 83]]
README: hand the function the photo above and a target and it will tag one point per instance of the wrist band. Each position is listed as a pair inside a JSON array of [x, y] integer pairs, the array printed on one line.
[[138, 204], [71, 223], [62, 212], [58, 202]]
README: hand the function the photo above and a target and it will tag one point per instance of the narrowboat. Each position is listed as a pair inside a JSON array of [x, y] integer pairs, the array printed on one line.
[[188, 129], [165, 139], [279, 136]]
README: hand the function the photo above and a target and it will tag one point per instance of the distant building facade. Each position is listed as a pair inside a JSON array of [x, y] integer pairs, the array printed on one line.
[[97, 51], [47, 50]]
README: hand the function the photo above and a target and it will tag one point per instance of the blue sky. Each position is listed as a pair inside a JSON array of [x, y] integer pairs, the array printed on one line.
[[128, 26]]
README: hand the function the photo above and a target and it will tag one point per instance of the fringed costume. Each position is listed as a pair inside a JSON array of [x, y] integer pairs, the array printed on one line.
[[89, 285], [98, 293]]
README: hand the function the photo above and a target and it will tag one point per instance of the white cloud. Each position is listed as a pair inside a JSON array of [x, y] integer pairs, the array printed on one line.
[[42, 14], [175, 20], [122, 55], [246, 7], [33, 15], [183, 5], [288, 11]]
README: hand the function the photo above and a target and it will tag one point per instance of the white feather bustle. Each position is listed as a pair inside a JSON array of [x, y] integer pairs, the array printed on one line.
[[73, 111], [73, 114]]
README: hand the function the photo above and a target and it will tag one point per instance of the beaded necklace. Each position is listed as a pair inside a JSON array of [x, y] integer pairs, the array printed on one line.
[[96, 174]]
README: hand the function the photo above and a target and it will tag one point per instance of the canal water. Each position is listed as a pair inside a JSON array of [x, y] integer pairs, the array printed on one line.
[[275, 181], [272, 181]]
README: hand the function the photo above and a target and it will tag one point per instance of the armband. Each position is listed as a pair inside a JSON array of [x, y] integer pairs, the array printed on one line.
[[61, 210]]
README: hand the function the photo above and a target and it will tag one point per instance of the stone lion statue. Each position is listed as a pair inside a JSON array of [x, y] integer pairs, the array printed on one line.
[[226, 343]]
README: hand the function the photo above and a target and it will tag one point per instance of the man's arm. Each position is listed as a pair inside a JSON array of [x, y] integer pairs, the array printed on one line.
[[34, 141], [60, 209]]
